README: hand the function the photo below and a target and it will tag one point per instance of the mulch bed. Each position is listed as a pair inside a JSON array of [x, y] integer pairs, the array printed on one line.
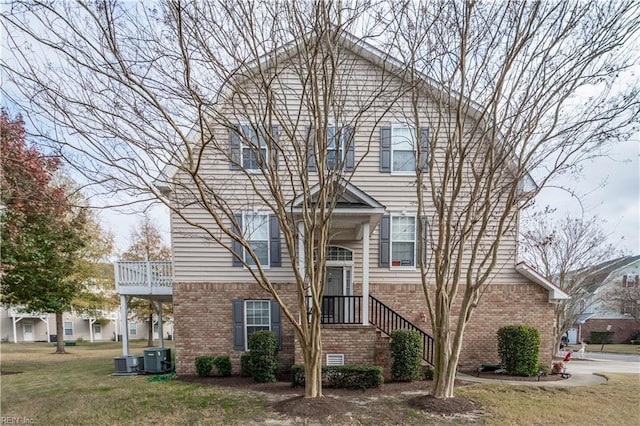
[[339, 402], [492, 375]]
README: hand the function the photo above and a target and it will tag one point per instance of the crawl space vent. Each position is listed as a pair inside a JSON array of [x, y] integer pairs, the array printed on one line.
[[335, 359]]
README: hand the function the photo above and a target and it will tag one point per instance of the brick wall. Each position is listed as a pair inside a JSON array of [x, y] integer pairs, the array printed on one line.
[[204, 322], [203, 325], [622, 328]]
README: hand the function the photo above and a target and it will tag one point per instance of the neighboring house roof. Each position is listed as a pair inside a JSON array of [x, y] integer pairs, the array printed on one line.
[[358, 47], [555, 293], [598, 275]]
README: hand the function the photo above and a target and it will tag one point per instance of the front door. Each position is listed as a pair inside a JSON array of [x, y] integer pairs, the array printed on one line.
[[97, 331], [337, 306], [27, 331]]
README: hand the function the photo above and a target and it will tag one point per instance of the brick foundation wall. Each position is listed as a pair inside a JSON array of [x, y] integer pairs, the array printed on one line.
[[356, 342], [524, 303], [204, 323], [622, 328]]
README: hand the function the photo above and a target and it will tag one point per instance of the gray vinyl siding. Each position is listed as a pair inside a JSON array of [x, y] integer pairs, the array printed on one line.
[[197, 259]]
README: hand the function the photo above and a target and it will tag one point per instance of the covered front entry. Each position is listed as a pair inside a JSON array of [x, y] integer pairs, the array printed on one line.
[[338, 302], [353, 219]]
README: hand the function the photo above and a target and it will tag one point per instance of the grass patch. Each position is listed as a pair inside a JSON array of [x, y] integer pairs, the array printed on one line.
[[82, 379], [520, 405], [612, 349]]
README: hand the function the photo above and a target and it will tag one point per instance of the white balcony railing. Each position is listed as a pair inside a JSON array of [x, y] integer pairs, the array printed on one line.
[[153, 277]]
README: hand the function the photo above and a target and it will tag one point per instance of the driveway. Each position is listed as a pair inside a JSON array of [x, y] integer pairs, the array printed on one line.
[[595, 362]]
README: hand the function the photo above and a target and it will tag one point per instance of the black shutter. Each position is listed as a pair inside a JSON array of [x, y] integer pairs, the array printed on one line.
[[274, 145], [238, 325], [236, 246], [274, 241], [350, 157], [311, 152], [385, 240], [276, 322], [385, 149], [234, 149], [424, 145]]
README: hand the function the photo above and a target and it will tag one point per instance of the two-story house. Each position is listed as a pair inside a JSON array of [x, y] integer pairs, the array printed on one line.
[[372, 281]]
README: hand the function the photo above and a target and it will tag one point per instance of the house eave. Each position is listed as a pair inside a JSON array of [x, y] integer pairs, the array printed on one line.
[[555, 293]]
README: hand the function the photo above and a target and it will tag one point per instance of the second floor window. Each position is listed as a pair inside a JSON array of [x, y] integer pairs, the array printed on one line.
[[403, 149], [399, 147], [340, 152], [248, 148], [256, 232], [262, 232], [253, 149]]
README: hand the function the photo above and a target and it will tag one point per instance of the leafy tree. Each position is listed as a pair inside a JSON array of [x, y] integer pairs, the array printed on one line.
[[147, 244], [566, 252], [42, 233]]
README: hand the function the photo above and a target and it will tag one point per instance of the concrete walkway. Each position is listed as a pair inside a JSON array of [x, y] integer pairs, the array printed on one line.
[[584, 372]]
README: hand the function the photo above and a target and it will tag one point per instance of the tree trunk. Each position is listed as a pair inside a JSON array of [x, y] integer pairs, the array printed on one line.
[[60, 334], [312, 355], [150, 332]]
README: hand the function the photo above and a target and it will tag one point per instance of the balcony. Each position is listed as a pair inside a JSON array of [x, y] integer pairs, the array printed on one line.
[[140, 279]]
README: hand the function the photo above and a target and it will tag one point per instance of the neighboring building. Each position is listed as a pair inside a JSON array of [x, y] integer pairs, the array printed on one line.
[[603, 309], [35, 327], [371, 261]]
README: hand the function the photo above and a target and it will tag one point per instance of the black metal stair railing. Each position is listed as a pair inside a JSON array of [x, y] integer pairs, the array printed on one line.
[[387, 320]]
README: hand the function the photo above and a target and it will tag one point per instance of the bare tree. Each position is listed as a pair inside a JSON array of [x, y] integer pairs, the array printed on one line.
[[510, 92], [566, 252], [154, 95]]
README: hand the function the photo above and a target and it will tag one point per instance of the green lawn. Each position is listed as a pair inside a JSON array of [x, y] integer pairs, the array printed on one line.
[[78, 389], [614, 349]]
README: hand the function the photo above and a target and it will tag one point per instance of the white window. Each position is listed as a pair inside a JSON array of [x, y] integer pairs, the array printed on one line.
[[403, 241], [68, 328], [403, 149], [256, 232], [253, 149], [257, 317], [133, 329], [335, 149]]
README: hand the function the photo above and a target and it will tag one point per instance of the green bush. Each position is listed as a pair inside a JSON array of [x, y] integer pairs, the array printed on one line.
[[519, 349], [343, 376], [599, 337], [223, 365], [204, 364], [406, 353], [245, 365], [263, 348], [428, 372], [544, 369]]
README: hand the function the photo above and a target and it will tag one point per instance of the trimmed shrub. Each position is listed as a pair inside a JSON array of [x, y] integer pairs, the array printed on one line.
[[204, 364], [519, 349], [245, 365], [599, 337], [428, 372], [343, 376], [223, 365], [263, 348], [406, 352]]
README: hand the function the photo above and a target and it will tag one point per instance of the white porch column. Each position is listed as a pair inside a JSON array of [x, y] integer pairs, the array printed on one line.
[[124, 307], [91, 321], [15, 331], [160, 331], [365, 273]]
